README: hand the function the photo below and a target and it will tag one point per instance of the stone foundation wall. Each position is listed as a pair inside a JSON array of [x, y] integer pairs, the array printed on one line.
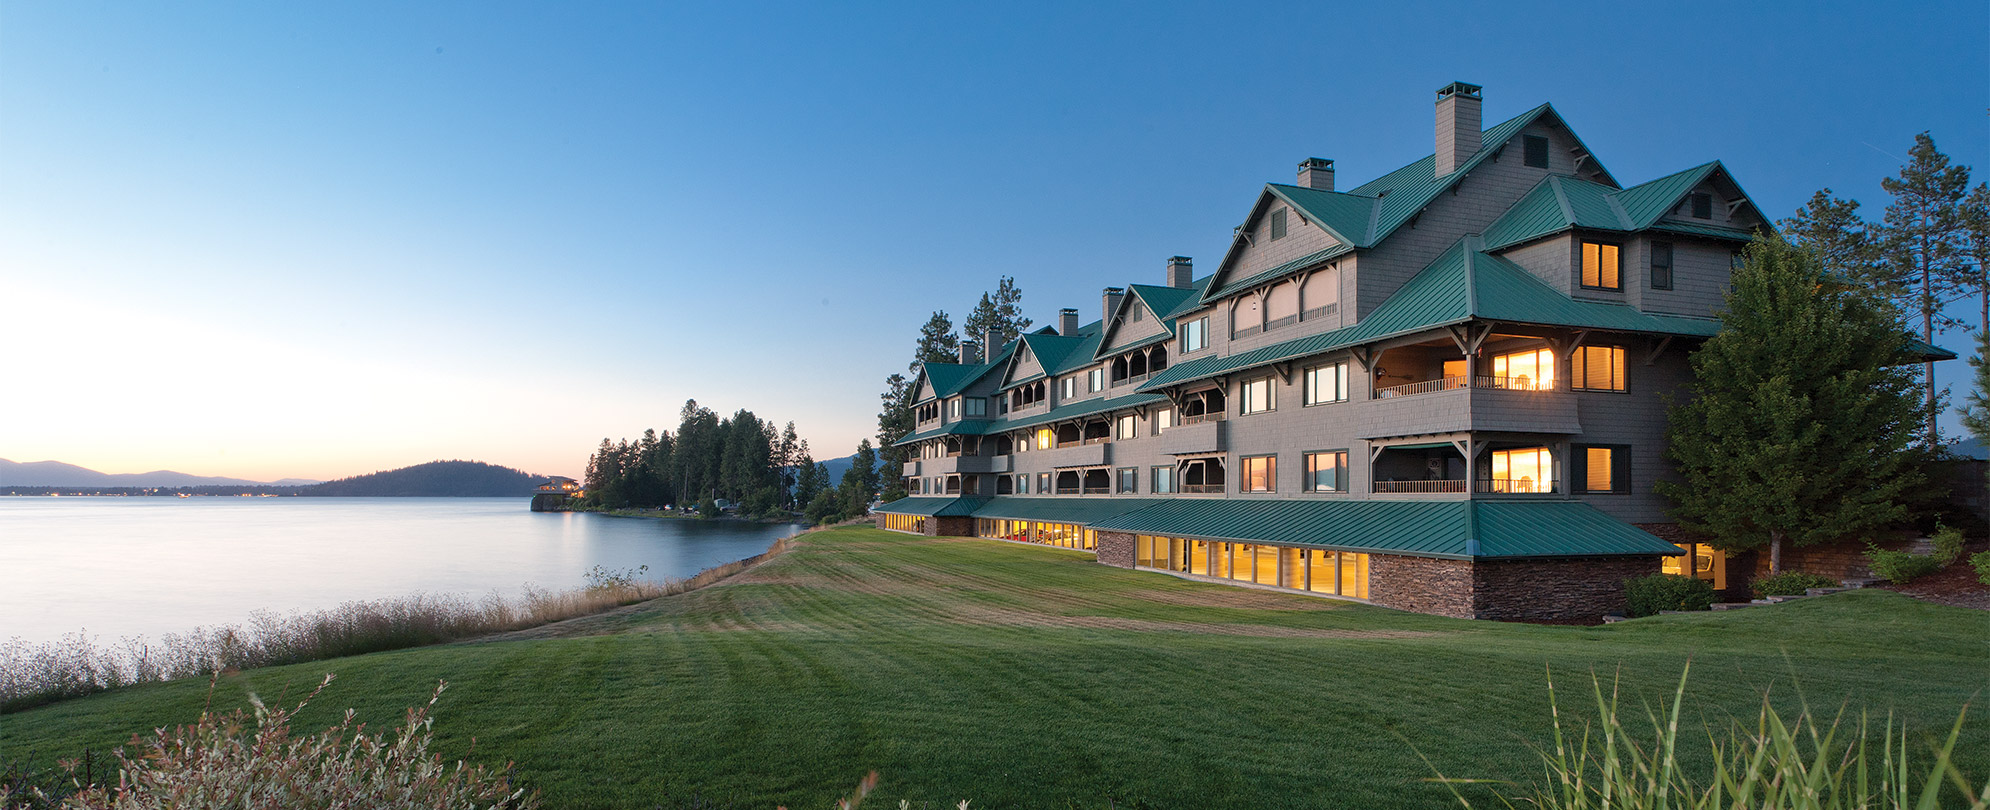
[[1116, 549], [949, 527], [1421, 585], [877, 519], [1582, 588]]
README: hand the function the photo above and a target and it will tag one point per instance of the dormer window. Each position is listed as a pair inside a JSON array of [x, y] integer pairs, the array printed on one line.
[[1535, 148], [1278, 224]]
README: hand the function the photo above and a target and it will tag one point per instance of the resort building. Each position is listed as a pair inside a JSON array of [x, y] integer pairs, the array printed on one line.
[[1442, 390]]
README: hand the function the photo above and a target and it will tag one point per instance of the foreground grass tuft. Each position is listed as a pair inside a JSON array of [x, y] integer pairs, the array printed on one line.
[[1034, 677]]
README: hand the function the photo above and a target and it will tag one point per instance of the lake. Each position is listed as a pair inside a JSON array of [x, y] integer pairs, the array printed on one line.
[[127, 566]]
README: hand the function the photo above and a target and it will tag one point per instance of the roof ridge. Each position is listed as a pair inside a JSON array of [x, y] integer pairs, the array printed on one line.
[[1561, 197]]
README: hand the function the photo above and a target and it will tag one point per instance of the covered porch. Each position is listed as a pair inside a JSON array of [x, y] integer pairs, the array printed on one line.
[[1470, 465]]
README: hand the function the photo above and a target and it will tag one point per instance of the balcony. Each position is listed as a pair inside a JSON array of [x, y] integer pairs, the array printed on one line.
[[1448, 404], [1075, 454], [1203, 489], [970, 465], [1517, 486], [1419, 487], [911, 469], [1206, 436]]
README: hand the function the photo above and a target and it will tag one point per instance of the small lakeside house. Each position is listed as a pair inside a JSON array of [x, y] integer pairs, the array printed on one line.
[[1441, 390]]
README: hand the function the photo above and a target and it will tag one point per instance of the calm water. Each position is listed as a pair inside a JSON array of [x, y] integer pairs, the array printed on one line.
[[128, 566]]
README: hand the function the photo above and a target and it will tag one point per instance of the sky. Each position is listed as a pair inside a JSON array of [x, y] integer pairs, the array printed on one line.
[[317, 240]]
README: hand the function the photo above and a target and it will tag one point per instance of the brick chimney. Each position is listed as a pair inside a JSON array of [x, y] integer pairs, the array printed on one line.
[[1067, 322], [1181, 272], [1458, 125], [970, 352], [1317, 173], [1109, 302]]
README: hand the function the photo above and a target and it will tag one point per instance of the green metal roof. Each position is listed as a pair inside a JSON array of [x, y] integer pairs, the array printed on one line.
[[1282, 270], [1062, 510], [1460, 286], [1087, 407], [1559, 203], [933, 507], [1448, 529]]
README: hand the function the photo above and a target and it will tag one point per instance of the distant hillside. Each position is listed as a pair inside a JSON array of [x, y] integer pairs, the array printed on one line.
[[58, 474], [436, 479]]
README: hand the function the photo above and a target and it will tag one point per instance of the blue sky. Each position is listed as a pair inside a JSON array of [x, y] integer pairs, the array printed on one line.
[[270, 240]]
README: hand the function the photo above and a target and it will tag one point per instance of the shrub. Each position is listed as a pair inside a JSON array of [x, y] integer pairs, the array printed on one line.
[[1981, 562], [1948, 545], [1649, 595], [1792, 583], [219, 762], [1900, 567], [708, 508], [1774, 762]]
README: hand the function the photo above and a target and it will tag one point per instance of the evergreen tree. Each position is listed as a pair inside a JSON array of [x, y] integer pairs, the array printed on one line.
[[1009, 311], [1801, 414], [860, 482], [1924, 239], [1976, 234], [1833, 229], [695, 464], [1976, 417], [937, 342], [787, 454], [600, 467], [810, 478], [985, 316]]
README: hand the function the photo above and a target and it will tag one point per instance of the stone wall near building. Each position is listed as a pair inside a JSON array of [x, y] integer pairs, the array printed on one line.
[[1421, 585], [1554, 590], [1116, 549], [949, 527]]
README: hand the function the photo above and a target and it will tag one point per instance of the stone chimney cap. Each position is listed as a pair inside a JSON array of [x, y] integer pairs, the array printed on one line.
[[1315, 163]]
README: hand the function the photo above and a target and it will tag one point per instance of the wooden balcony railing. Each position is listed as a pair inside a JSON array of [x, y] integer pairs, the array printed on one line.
[[1216, 416], [1203, 488], [1420, 487], [1424, 387], [1517, 486], [1454, 383]]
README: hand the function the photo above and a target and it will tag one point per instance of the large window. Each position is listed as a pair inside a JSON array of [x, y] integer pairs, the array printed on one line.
[[1326, 471], [1257, 397], [1260, 473], [1095, 380], [1602, 266], [1163, 419], [1045, 437], [1661, 265], [1530, 469], [1604, 469], [1533, 370], [1326, 384], [1126, 427], [1163, 480], [1126, 480], [1300, 569], [1195, 335], [1597, 368], [915, 524]]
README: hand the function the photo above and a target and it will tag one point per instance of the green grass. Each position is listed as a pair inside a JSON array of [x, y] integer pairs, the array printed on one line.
[[1033, 677]]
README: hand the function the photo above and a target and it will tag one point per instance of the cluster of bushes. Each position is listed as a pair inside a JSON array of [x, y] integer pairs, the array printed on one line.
[[1792, 583], [1899, 567], [1649, 595]]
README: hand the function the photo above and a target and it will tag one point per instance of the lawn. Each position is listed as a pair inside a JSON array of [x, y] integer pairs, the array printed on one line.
[[1033, 677]]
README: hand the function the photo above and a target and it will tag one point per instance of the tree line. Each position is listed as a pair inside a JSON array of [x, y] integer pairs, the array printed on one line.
[[741, 460]]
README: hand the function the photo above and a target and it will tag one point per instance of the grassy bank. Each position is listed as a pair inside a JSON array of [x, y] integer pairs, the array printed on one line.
[[1033, 677]]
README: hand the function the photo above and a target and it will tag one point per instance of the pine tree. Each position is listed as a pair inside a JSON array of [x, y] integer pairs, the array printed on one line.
[[1976, 417], [808, 479], [860, 482], [985, 316], [1009, 311], [937, 342], [1976, 233], [1834, 230], [1802, 412], [1923, 239]]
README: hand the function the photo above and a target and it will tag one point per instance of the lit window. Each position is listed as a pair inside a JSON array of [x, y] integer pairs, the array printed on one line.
[[1597, 368], [1326, 383], [1044, 438], [1096, 380], [1260, 473], [1257, 396], [1327, 471], [1526, 470], [1278, 224], [1195, 335], [953, 409], [1661, 265], [1163, 419], [1604, 469], [1129, 427], [1163, 480], [1601, 266], [1127, 480], [1532, 370]]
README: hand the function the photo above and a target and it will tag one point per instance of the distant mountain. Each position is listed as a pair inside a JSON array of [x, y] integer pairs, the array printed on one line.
[[837, 466], [436, 479], [58, 474], [1969, 448]]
